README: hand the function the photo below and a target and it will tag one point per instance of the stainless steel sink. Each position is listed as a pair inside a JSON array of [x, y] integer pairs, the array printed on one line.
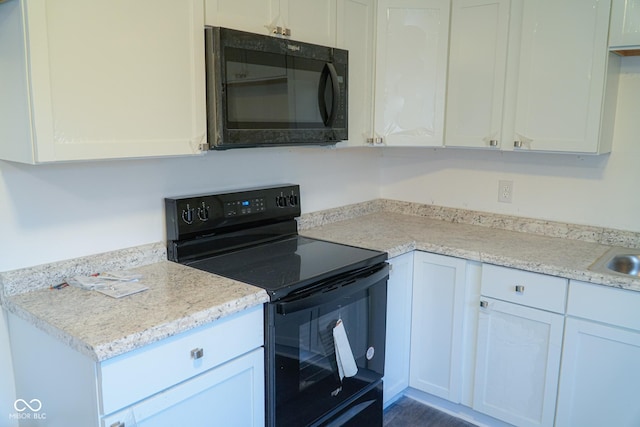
[[618, 260], [626, 264]]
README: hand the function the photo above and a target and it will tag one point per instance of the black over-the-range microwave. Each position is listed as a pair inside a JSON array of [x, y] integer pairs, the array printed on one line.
[[268, 91]]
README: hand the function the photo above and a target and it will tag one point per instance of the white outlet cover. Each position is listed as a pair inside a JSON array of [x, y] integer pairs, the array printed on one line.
[[505, 191]]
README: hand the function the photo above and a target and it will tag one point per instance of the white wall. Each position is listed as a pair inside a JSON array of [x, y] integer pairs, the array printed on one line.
[[61, 211], [54, 212], [592, 190]]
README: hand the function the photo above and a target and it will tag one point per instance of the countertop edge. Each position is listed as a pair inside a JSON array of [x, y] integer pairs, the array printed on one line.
[[131, 342]]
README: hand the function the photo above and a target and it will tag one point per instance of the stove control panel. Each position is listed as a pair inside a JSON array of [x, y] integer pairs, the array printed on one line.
[[244, 207], [205, 214]]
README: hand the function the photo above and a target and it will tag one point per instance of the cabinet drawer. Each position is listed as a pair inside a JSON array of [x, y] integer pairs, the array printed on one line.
[[133, 376], [617, 307], [523, 287]]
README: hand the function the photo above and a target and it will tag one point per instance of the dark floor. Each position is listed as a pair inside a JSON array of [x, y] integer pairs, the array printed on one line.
[[407, 412]]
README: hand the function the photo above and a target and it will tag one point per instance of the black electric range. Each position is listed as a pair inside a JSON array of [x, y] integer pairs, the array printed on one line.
[[314, 285], [251, 236]]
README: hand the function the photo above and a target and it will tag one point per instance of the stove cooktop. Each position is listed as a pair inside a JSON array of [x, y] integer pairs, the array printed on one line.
[[286, 265]]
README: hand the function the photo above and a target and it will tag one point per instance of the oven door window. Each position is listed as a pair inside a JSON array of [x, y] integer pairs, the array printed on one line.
[[308, 381], [275, 91]]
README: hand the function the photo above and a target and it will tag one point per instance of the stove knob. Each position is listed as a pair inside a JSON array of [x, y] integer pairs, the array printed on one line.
[[281, 201], [187, 214], [203, 212], [293, 200]]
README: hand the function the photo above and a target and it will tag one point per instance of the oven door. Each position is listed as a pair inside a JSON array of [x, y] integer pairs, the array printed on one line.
[[306, 345]]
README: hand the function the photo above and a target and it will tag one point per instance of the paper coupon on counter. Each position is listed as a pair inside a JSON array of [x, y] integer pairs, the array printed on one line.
[[114, 284]]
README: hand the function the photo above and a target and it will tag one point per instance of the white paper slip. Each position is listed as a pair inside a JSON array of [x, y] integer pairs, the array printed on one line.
[[122, 289], [344, 355]]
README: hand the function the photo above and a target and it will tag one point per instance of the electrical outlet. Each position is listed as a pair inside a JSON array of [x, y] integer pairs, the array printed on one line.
[[505, 191]]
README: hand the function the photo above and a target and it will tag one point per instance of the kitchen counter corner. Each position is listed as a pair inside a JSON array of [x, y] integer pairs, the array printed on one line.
[[179, 298]]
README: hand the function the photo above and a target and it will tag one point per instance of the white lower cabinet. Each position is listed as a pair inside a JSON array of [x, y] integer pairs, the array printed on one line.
[[438, 313], [519, 345], [600, 375], [211, 375], [517, 363], [225, 396], [398, 341]]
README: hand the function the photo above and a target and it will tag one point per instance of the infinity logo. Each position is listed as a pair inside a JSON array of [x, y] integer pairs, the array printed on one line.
[[21, 405]]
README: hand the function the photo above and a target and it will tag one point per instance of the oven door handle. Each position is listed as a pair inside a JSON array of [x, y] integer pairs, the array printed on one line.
[[341, 287]]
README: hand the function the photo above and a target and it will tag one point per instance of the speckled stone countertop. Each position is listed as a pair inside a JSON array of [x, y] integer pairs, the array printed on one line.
[[179, 298], [558, 254]]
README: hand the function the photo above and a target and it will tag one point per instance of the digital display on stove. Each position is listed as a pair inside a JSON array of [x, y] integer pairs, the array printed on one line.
[[244, 207]]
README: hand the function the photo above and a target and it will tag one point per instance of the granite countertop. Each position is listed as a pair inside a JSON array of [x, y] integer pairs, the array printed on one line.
[[398, 233], [179, 298]]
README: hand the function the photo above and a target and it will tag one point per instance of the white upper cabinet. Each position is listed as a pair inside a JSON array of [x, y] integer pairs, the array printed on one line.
[[356, 22], [477, 72], [411, 69], [531, 75], [97, 80], [624, 35], [565, 97], [310, 21], [256, 16]]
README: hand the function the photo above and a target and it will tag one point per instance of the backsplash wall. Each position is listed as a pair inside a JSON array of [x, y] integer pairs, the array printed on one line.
[[588, 190], [62, 211]]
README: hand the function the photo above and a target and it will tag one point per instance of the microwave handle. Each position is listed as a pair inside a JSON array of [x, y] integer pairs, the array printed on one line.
[[329, 71]]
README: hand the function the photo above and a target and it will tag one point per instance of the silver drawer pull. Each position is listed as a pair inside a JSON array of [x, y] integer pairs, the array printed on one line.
[[484, 304], [117, 424], [197, 353], [493, 143], [520, 289]]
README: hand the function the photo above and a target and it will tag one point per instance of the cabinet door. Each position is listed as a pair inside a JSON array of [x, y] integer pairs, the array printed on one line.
[[625, 24], [230, 395], [600, 376], [477, 72], [561, 75], [255, 16], [356, 34], [310, 21], [517, 363], [112, 79], [411, 68], [398, 341], [437, 318]]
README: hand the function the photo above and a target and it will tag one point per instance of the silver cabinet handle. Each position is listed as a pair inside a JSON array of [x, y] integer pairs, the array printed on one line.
[[197, 353], [493, 143], [520, 289], [484, 304], [517, 144], [117, 424], [282, 31]]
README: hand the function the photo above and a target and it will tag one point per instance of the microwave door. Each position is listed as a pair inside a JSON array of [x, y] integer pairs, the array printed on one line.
[[328, 73]]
